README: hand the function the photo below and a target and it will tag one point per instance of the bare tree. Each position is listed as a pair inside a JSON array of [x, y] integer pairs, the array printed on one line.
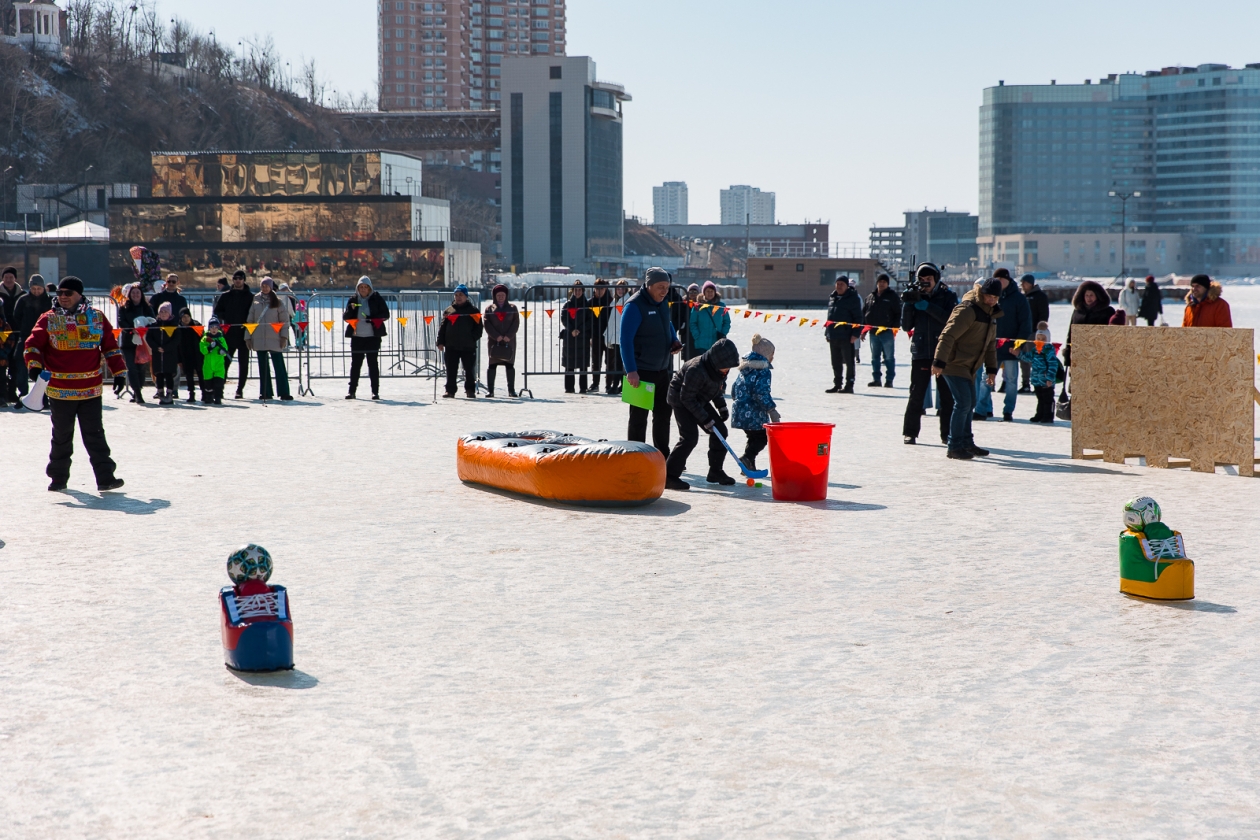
[[312, 84]]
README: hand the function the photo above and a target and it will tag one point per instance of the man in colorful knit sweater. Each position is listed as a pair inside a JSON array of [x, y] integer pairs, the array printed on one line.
[[69, 342]]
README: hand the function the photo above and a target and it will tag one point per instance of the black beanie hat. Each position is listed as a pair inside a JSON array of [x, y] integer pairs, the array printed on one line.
[[992, 286], [1201, 280], [72, 283], [1028, 278]]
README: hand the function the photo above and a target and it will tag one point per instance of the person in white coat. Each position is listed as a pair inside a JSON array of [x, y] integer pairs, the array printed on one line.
[[1130, 302]]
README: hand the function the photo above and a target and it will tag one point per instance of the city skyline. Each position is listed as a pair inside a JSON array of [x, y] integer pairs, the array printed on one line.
[[883, 123]]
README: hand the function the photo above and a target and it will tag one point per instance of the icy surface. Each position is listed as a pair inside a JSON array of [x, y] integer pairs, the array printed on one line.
[[939, 649]]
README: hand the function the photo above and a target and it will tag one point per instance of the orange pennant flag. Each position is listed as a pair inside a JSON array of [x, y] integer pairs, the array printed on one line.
[[117, 334], [597, 310], [1039, 345], [550, 312], [814, 323], [778, 319], [428, 319], [747, 313], [277, 327], [402, 322], [198, 329], [619, 308], [170, 331], [476, 316], [328, 325], [250, 328]]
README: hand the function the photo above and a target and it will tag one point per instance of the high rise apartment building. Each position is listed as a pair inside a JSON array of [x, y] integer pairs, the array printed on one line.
[[562, 165], [1184, 137], [747, 205], [669, 203], [448, 56]]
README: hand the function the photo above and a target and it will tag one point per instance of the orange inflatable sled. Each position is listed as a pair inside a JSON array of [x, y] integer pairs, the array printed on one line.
[[563, 468]]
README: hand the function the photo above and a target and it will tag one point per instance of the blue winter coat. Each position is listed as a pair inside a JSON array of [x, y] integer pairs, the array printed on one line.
[[708, 325], [751, 393], [1045, 365]]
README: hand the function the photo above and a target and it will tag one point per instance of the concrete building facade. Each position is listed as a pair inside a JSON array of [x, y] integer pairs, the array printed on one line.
[[1183, 137], [1086, 254], [448, 56], [743, 204], [669, 203], [805, 281], [562, 165], [943, 237]]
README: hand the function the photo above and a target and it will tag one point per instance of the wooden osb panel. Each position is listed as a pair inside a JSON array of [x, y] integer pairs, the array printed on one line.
[[1164, 392]]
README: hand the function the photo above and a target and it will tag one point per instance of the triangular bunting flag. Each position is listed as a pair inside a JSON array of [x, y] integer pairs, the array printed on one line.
[[619, 308], [377, 322], [767, 318], [791, 318], [527, 313], [597, 310], [117, 334], [747, 313], [142, 331], [328, 325], [198, 329], [277, 326], [170, 331], [778, 319], [801, 322], [880, 330], [814, 323], [828, 323], [402, 322], [428, 319], [1039, 345], [250, 328], [476, 316], [572, 312], [865, 330], [452, 318], [501, 315], [550, 312]]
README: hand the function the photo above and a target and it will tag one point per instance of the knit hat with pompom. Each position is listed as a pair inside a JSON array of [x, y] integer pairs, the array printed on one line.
[[763, 346]]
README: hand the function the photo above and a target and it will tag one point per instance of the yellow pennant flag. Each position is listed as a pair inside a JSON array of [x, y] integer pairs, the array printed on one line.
[[249, 328], [596, 310], [403, 321], [328, 325], [767, 318], [527, 313], [1020, 342], [4, 336], [880, 330], [801, 322], [170, 331]]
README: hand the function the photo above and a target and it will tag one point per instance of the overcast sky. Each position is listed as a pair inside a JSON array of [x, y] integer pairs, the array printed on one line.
[[851, 112]]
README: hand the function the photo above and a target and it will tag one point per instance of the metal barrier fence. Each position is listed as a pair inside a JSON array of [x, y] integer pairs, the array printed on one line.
[[409, 349], [547, 313]]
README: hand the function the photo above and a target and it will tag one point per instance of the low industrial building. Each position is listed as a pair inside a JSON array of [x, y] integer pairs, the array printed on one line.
[[805, 281]]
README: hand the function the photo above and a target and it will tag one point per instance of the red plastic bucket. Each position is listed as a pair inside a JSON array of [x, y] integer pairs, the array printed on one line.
[[800, 458]]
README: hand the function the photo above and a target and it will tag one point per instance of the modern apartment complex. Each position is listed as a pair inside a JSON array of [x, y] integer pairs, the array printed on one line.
[[562, 165], [944, 237], [747, 205], [669, 203], [448, 56], [1182, 137]]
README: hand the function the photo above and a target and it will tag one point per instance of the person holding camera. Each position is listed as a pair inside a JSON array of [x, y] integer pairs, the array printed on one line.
[[925, 309]]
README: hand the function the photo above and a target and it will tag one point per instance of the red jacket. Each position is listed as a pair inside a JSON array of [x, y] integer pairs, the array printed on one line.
[[71, 345], [1212, 312]]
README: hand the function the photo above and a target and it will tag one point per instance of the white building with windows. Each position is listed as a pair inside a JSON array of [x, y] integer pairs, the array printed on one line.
[[1085, 254], [36, 25], [747, 205], [669, 203]]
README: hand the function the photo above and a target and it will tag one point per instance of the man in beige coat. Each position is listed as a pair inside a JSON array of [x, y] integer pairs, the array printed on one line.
[[968, 341]]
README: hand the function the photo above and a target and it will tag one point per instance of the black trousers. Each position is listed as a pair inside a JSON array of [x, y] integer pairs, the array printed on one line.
[[212, 389], [688, 437], [576, 352], [842, 361], [454, 358], [661, 413], [756, 443], [612, 364], [920, 378], [91, 430], [598, 350], [511, 375], [192, 375], [15, 373], [237, 348], [374, 371], [1045, 402]]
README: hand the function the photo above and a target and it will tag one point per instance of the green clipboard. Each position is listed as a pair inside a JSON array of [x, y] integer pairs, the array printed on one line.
[[642, 397]]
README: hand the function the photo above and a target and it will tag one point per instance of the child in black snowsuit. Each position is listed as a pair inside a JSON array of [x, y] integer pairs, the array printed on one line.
[[696, 394], [190, 356]]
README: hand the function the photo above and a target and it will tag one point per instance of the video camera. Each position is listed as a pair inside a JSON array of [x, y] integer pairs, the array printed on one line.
[[916, 286]]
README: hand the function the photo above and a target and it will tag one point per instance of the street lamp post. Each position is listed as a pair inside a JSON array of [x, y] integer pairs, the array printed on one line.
[[1124, 200]]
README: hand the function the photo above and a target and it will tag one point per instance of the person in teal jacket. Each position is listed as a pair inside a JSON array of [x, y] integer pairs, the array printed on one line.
[[709, 320], [214, 351]]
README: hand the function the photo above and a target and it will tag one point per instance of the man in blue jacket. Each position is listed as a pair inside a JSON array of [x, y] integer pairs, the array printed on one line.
[[648, 339], [925, 309], [1015, 323]]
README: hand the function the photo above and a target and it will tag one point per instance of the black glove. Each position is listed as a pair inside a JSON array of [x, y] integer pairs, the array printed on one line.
[[120, 382], [34, 373], [724, 414]]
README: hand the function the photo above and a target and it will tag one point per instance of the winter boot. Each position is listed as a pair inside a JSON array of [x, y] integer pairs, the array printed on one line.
[[719, 477], [676, 484], [750, 464]]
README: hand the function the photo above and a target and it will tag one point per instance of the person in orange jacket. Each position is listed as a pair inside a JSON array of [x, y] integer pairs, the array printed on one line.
[[1204, 305]]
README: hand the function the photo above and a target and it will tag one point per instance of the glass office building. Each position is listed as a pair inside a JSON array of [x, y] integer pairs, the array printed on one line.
[[1187, 138]]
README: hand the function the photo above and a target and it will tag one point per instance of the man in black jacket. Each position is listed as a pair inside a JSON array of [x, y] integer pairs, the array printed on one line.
[[12, 381], [26, 311], [1039, 308], [232, 309], [925, 309], [882, 313], [696, 396], [457, 341], [844, 310]]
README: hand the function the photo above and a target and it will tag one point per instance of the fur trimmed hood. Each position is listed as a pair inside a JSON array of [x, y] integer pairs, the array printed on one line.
[[1214, 292]]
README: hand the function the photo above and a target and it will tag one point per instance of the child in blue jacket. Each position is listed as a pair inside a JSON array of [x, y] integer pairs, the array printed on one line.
[[754, 407], [1045, 369]]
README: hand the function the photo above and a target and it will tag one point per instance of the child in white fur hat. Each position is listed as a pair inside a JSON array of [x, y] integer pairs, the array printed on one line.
[[754, 407]]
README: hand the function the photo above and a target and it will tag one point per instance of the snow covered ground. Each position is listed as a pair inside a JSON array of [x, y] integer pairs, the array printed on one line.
[[939, 649]]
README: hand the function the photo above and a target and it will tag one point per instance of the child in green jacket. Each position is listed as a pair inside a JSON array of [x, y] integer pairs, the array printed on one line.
[[214, 366]]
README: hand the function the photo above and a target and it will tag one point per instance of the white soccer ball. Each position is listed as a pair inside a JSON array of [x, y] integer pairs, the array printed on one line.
[[249, 562], [1140, 512]]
